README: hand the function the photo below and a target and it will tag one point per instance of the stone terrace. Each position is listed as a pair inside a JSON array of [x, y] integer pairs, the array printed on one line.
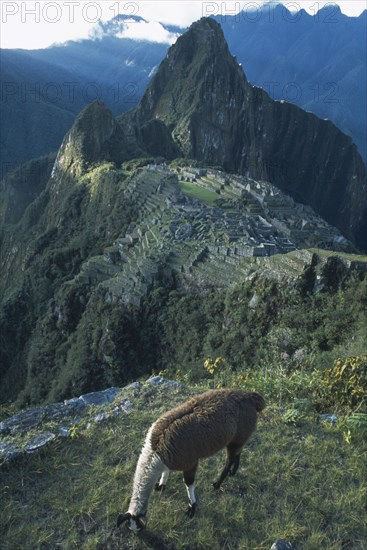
[[183, 239]]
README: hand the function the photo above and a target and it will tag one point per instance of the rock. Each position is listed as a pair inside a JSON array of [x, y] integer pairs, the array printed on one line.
[[282, 545], [76, 407], [159, 380], [58, 411], [94, 137], [332, 418], [126, 406], [155, 380], [64, 431], [100, 417], [9, 452], [254, 301], [173, 384], [184, 232], [77, 403], [157, 140], [23, 421], [256, 135], [38, 441], [101, 397], [134, 385]]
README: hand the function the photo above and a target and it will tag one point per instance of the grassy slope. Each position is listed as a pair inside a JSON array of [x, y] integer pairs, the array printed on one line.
[[196, 192], [302, 482]]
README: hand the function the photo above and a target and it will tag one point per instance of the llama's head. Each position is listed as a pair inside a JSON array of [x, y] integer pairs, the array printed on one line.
[[258, 401], [136, 523]]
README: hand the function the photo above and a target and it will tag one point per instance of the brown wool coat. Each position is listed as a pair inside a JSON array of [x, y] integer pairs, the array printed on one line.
[[203, 425]]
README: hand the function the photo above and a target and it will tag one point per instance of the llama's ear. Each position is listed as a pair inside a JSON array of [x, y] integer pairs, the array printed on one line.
[[122, 518]]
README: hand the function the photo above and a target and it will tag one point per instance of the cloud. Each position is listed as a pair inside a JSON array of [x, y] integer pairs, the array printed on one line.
[[151, 31], [32, 25]]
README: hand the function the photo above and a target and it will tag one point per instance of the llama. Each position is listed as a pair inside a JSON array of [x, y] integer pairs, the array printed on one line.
[[196, 429]]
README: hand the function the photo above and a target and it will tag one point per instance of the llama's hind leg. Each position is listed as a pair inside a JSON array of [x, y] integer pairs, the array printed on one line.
[[161, 484], [231, 465], [189, 479]]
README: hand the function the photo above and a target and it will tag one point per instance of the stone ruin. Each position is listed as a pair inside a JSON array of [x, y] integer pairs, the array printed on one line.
[[184, 239]]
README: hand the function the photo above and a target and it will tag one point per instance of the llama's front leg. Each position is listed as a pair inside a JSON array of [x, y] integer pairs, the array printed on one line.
[[231, 465], [161, 484], [189, 479]]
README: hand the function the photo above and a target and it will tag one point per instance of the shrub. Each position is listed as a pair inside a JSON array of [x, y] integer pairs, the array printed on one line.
[[345, 383]]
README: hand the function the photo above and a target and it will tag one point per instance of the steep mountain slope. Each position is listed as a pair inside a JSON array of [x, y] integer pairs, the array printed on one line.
[[316, 61], [215, 115]]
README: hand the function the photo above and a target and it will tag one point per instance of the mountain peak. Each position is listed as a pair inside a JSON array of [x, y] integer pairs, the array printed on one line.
[[214, 115], [205, 25], [94, 137], [198, 80], [203, 38]]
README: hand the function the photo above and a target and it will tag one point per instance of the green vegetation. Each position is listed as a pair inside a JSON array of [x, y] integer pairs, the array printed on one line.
[[304, 350], [302, 481], [35, 338], [19, 188], [346, 382], [259, 327], [352, 257], [196, 192], [285, 330]]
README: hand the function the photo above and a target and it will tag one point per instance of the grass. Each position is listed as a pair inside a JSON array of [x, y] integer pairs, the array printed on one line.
[[196, 192], [301, 482]]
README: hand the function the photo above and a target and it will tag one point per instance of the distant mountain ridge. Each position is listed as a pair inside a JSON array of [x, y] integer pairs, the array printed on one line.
[[316, 62], [44, 90]]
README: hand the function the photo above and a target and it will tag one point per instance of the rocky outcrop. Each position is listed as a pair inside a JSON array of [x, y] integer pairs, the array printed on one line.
[[157, 140], [33, 429], [94, 138], [215, 115]]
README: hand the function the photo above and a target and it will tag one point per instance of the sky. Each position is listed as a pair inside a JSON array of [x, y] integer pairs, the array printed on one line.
[[38, 24]]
